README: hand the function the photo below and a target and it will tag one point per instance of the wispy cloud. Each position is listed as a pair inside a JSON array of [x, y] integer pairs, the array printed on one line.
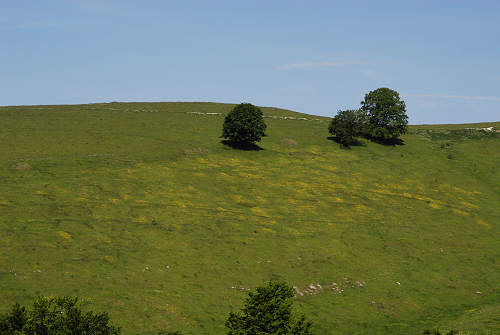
[[114, 8], [19, 26], [452, 96], [295, 66]]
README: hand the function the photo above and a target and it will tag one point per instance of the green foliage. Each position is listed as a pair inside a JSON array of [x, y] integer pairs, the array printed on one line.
[[14, 320], [51, 316], [128, 196], [386, 112], [268, 311], [457, 134], [347, 125], [244, 125]]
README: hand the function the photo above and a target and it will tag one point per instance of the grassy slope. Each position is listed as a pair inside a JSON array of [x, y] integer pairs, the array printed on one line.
[[140, 209]]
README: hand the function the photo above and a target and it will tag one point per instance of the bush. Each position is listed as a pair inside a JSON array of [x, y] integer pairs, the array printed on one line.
[[244, 125], [347, 125], [386, 113], [55, 316], [268, 311], [14, 320]]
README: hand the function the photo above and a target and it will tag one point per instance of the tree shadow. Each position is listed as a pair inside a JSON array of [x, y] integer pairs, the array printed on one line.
[[391, 141], [242, 146], [354, 142]]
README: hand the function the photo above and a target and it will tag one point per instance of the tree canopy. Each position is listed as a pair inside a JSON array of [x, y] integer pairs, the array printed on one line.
[[268, 310], [54, 316], [244, 125], [347, 125], [386, 114]]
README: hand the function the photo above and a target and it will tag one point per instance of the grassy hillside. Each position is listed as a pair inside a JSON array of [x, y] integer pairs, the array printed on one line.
[[140, 209]]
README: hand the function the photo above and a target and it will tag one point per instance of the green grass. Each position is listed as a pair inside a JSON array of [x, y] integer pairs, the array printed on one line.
[[140, 209]]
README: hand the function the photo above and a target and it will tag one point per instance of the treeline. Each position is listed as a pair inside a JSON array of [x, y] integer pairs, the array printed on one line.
[[381, 118], [55, 316], [268, 310]]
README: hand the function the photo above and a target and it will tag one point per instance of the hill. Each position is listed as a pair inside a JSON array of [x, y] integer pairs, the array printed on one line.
[[140, 209]]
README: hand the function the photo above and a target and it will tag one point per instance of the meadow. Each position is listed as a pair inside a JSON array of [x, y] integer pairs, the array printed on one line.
[[139, 209]]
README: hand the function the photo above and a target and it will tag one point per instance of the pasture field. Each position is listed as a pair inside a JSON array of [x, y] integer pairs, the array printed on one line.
[[140, 210]]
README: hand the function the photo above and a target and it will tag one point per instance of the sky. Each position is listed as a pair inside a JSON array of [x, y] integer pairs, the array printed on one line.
[[314, 57]]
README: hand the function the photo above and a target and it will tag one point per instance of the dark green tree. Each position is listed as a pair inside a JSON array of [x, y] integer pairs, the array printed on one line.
[[244, 125], [268, 310], [13, 321], [347, 125], [55, 316], [386, 113]]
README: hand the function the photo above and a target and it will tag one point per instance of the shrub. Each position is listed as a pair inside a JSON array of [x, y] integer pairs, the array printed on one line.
[[347, 125], [386, 113], [268, 310], [14, 320], [55, 316], [244, 125]]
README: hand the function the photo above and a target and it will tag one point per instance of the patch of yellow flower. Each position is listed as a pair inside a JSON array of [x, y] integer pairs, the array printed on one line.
[[459, 212], [385, 192], [268, 230], [48, 245], [65, 235], [269, 223], [363, 208], [60, 190], [295, 232], [412, 304], [233, 162], [250, 176], [237, 198], [109, 258], [104, 238], [259, 211], [260, 200], [398, 186], [330, 168], [314, 149], [302, 184], [141, 219], [469, 205], [482, 223], [460, 190], [183, 203]]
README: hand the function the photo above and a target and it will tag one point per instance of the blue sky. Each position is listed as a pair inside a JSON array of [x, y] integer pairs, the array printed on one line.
[[310, 56]]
